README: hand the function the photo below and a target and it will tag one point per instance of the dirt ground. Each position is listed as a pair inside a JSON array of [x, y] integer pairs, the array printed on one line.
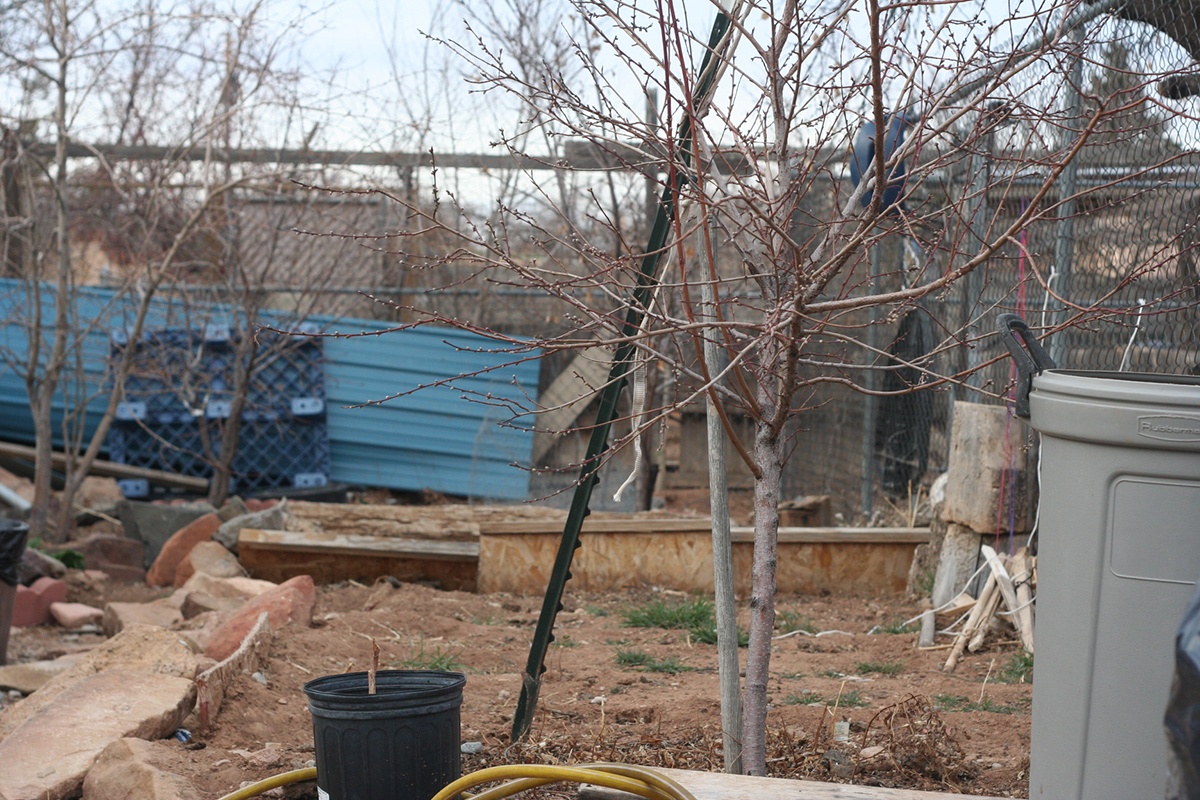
[[911, 725], [612, 692]]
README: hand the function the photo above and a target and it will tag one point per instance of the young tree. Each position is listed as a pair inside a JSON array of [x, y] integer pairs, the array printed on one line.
[[760, 213]]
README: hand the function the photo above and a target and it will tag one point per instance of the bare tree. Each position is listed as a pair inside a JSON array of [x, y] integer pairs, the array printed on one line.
[[96, 72], [959, 114]]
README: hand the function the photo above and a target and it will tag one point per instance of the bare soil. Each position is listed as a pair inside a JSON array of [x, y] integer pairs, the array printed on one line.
[[911, 725]]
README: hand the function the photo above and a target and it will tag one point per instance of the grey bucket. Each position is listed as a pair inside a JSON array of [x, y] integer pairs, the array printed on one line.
[[401, 743], [1118, 557]]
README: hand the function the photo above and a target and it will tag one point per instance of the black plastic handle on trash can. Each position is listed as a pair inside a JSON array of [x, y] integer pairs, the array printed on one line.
[[1027, 352]]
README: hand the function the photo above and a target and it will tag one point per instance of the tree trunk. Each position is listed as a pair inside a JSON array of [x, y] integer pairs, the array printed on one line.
[[768, 455]]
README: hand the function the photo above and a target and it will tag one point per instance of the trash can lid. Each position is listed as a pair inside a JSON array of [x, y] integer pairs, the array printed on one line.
[[1144, 410]]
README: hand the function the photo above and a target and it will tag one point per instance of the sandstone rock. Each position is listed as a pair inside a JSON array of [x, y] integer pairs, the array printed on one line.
[[211, 558], [291, 601], [241, 588], [271, 519], [27, 678], [99, 493], [234, 507], [126, 769], [119, 616], [197, 603], [75, 615], [199, 630], [141, 648], [47, 757], [162, 572]]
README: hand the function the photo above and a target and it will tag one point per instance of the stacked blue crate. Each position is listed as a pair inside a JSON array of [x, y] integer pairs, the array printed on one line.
[[179, 394]]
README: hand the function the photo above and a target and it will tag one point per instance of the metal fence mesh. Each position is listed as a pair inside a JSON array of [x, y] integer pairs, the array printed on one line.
[[1108, 270]]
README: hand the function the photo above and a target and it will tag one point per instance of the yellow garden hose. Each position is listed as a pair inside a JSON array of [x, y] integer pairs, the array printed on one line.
[[641, 781], [255, 789]]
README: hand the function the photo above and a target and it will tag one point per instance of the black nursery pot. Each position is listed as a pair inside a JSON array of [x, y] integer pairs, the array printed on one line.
[[401, 743]]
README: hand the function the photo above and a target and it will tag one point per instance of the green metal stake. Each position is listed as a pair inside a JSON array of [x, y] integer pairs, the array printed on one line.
[[543, 635]]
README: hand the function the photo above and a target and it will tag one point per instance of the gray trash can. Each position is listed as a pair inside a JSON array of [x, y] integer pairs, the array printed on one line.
[[1118, 555]]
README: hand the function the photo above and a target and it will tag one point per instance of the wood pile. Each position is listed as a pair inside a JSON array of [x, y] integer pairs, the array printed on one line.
[[1010, 584]]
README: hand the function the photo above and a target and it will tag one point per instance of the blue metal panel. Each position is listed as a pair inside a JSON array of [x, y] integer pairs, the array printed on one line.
[[434, 439]]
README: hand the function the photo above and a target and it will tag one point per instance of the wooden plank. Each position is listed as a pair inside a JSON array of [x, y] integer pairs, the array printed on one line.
[[324, 568], [682, 560], [722, 786], [641, 525], [110, 469], [357, 544], [452, 521]]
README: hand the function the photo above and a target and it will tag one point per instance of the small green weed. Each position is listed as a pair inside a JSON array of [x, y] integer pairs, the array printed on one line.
[[805, 697], [632, 658], [596, 611], [956, 702], [1019, 669], [616, 642], [950, 702], [436, 659], [644, 661], [687, 615], [565, 641], [895, 627], [790, 621], [850, 699], [709, 636], [888, 668], [831, 673], [71, 559]]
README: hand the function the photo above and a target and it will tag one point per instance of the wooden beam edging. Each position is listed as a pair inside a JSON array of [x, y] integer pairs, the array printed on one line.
[[111, 469], [357, 544], [723, 786], [703, 525]]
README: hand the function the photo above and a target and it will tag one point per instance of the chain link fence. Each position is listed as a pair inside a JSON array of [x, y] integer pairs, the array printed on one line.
[[1106, 272]]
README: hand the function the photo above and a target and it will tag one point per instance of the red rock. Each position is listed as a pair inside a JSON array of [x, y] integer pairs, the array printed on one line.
[[162, 571], [291, 601], [51, 590], [119, 557], [75, 615], [28, 608], [31, 605], [255, 504]]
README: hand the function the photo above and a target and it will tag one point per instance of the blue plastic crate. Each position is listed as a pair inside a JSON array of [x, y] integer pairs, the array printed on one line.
[[180, 388]]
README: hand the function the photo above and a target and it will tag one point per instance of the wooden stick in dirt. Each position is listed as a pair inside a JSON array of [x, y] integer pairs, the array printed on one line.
[[1023, 618], [981, 628], [968, 629], [374, 666]]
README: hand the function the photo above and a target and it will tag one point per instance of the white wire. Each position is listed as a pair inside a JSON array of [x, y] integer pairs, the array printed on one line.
[[639, 409], [1137, 326]]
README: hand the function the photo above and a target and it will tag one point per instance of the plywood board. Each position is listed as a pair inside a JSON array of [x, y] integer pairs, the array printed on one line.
[[722, 786], [857, 562]]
